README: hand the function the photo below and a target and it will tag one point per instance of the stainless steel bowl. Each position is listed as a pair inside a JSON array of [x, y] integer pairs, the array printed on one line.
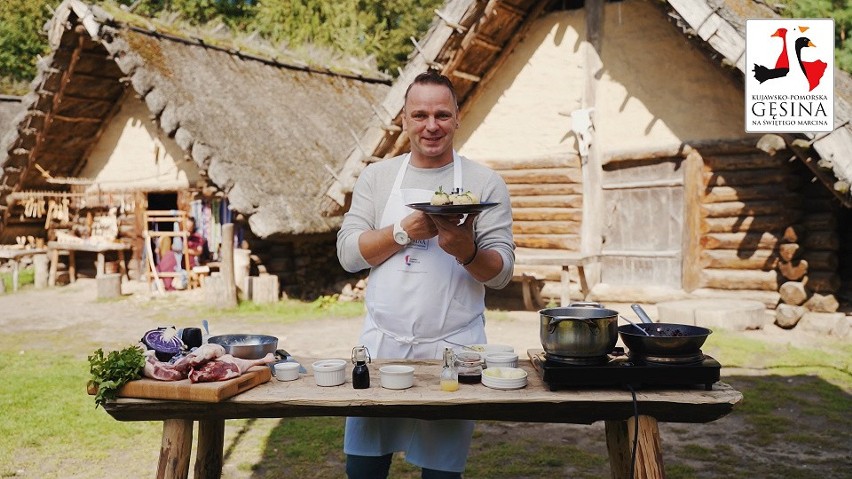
[[246, 346]]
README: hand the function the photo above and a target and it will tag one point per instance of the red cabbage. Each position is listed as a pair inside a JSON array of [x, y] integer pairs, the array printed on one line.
[[164, 341]]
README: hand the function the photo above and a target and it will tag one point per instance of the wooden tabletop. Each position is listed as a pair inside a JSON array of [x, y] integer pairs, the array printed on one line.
[[425, 400], [15, 253], [91, 247]]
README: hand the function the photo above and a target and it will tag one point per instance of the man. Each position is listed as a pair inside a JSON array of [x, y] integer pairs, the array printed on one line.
[[196, 244], [426, 288]]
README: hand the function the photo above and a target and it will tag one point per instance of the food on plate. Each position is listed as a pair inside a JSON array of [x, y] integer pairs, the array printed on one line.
[[111, 372], [441, 198], [505, 373], [466, 198]]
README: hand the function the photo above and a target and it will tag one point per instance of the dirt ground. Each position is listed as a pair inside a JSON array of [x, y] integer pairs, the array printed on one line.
[[116, 323]]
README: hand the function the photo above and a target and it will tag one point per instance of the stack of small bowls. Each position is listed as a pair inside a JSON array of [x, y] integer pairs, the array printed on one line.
[[504, 378], [501, 360]]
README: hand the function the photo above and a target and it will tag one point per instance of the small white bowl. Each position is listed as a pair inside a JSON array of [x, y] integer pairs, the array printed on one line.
[[501, 360], [329, 372], [504, 378], [397, 376], [288, 371]]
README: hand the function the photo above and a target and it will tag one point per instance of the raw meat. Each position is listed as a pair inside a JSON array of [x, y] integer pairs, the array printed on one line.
[[201, 355], [226, 367], [155, 369], [217, 370]]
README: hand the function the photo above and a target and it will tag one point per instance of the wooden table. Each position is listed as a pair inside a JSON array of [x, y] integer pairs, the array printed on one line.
[[15, 255], [101, 248], [548, 257], [534, 403]]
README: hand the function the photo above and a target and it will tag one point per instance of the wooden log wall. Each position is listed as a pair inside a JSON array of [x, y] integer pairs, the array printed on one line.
[[745, 208], [306, 266], [808, 264], [547, 199]]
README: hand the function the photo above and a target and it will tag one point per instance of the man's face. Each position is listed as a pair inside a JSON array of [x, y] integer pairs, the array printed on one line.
[[430, 119]]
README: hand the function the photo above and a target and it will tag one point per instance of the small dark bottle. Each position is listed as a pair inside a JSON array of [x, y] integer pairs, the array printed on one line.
[[360, 373]]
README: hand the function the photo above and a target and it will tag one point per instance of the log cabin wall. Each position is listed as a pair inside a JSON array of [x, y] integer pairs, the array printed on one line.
[[306, 266], [811, 253], [749, 200]]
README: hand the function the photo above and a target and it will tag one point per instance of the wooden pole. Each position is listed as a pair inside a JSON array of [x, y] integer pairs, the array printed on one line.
[[227, 266]]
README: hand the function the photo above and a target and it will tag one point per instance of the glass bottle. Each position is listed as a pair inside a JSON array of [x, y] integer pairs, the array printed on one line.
[[449, 375], [360, 373], [469, 367]]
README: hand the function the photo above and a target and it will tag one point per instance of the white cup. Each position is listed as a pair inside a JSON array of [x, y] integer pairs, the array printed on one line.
[[288, 371]]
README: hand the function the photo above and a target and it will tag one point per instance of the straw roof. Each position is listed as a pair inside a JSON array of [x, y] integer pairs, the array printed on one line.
[[266, 133], [469, 40]]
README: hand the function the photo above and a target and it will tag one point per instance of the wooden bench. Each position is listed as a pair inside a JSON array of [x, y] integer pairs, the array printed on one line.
[[531, 283]]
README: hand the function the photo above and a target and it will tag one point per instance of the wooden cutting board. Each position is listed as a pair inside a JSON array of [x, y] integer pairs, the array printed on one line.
[[184, 390]]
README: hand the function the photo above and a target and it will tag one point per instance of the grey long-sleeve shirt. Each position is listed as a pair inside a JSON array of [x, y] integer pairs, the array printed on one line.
[[492, 229]]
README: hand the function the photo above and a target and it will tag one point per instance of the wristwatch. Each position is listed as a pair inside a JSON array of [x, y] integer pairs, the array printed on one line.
[[399, 234]]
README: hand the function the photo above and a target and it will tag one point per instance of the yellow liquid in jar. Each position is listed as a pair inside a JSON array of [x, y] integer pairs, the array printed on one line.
[[449, 385]]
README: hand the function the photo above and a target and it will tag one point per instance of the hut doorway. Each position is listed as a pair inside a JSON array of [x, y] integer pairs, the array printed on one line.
[[643, 224]]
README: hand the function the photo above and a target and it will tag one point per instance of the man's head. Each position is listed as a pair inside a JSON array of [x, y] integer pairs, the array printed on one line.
[[430, 118]]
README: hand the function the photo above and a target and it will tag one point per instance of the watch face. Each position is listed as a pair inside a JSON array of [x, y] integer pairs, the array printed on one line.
[[401, 237]]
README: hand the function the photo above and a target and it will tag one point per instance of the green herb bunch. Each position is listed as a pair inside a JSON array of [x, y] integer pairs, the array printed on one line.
[[112, 372]]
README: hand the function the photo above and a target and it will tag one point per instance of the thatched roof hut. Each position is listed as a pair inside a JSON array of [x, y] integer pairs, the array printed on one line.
[[619, 129], [264, 132]]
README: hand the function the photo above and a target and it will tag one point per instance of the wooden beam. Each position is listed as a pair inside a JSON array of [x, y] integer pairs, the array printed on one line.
[[76, 119], [691, 243]]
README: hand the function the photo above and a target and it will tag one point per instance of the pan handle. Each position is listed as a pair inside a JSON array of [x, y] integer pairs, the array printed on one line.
[[641, 313]]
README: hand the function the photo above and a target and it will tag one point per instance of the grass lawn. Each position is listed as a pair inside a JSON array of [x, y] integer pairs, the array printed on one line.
[[793, 396]]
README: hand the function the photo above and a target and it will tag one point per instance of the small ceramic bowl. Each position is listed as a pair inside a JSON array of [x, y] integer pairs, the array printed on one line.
[[286, 371], [501, 360], [397, 376], [329, 372]]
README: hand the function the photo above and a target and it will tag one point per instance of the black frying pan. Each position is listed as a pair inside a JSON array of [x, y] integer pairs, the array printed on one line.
[[665, 340]]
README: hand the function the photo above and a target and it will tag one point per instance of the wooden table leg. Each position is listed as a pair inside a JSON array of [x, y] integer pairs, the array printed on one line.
[[565, 286], [649, 455], [14, 274], [122, 265], [54, 264], [211, 445], [584, 285], [175, 449], [72, 267]]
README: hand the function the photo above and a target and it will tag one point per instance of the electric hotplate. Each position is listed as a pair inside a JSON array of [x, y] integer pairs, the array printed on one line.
[[623, 371]]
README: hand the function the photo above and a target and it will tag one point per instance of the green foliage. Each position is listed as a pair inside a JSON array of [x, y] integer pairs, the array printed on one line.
[[111, 372], [840, 11], [21, 36], [26, 276]]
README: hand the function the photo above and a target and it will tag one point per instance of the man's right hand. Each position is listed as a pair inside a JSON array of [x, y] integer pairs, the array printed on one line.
[[378, 245], [419, 226]]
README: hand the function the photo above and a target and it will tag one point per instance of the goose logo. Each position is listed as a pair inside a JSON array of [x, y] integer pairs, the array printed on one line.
[[789, 75]]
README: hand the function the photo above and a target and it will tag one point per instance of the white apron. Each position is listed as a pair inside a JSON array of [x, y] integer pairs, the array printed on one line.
[[416, 300]]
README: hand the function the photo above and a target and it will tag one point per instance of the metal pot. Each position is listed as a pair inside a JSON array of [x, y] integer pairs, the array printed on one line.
[[582, 330], [666, 339], [246, 346]]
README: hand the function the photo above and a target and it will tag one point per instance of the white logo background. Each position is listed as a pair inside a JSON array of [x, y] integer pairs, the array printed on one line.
[[785, 104]]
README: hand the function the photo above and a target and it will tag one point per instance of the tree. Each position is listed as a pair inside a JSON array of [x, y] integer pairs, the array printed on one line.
[[21, 40]]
